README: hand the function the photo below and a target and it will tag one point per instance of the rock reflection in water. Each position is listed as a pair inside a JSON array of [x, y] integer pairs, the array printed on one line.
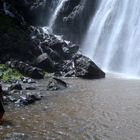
[[107, 109]]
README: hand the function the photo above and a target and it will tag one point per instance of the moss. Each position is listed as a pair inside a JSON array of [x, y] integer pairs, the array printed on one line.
[[8, 74]]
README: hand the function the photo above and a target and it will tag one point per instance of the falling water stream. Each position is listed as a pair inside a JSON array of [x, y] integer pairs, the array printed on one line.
[[113, 38], [56, 12]]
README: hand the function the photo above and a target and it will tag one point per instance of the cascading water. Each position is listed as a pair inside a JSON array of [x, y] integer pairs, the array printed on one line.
[[56, 12], [113, 38]]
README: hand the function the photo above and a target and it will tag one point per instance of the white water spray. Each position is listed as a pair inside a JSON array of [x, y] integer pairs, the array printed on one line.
[[113, 38], [56, 12]]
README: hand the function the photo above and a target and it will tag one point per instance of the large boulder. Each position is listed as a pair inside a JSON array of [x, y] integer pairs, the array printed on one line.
[[53, 48], [26, 69], [56, 84], [86, 68], [69, 50], [44, 62], [59, 50]]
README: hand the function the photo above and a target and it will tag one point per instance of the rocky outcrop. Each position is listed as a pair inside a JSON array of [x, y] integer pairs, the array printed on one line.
[[56, 84], [20, 94], [45, 62], [74, 18], [35, 49], [86, 68], [32, 11], [26, 69], [72, 21]]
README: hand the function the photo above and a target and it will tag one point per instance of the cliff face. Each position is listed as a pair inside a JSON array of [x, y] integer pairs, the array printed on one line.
[[27, 47], [17, 16], [72, 21], [33, 11], [74, 18]]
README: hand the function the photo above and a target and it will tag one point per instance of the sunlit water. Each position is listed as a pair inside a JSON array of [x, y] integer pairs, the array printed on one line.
[[113, 37], [107, 109]]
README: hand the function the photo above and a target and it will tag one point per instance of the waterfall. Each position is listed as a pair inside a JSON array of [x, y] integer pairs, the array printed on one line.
[[56, 12], [113, 38]]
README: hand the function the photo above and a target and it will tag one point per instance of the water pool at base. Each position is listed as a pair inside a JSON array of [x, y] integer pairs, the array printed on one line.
[[106, 109]]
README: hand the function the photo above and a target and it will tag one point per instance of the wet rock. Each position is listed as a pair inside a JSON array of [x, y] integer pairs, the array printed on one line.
[[11, 98], [17, 136], [35, 73], [70, 50], [16, 86], [30, 88], [67, 67], [28, 80], [5, 100], [51, 53], [34, 96], [86, 68], [21, 102], [31, 81], [28, 98], [6, 91], [24, 101], [72, 21], [70, 74], [57, 46], [13, 92], [56, 84], [44, 61], [25, 80], [26, 69]]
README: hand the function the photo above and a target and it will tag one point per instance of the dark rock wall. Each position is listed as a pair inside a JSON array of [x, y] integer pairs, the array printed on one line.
[[74, 19], [33, 11], [28, 45], [72, 22], [15, 40]]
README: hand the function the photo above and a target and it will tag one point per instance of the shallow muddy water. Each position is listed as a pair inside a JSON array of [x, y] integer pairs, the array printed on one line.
[[106, 109]]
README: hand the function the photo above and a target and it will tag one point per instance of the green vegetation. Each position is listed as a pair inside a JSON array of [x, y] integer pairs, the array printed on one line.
[[8, 74]]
